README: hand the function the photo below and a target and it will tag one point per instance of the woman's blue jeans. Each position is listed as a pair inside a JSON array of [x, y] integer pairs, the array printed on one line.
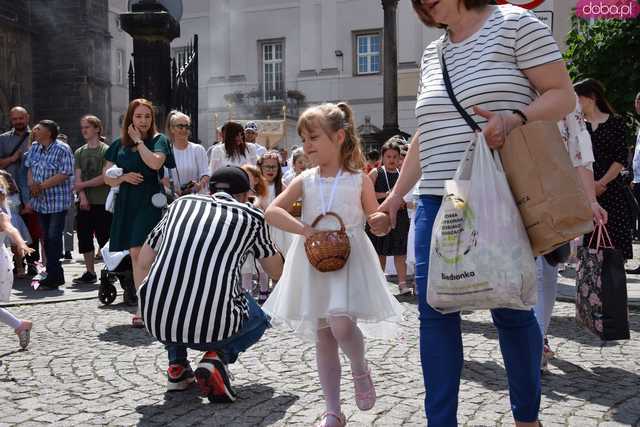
[[441, 342]]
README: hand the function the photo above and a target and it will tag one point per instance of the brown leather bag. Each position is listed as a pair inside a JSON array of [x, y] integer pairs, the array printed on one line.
[[545, 186]]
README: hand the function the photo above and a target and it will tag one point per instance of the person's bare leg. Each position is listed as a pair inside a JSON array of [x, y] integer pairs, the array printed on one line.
[[383, 262], [134, 253], [400, 262], [89, 261]]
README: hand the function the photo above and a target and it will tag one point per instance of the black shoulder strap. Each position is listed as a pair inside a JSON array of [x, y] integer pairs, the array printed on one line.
[[17, 147], [447, 83]]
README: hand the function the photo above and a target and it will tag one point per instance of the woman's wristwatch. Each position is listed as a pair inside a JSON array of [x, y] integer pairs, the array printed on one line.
[[137, 141]]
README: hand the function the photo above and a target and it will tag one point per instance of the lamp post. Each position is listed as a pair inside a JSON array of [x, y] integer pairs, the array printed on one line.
[[390, 71]]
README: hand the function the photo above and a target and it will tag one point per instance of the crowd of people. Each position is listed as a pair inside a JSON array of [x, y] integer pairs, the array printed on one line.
[[219, 239]]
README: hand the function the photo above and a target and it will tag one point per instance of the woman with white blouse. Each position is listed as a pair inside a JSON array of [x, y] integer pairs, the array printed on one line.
[[191, 174], [233, 151]]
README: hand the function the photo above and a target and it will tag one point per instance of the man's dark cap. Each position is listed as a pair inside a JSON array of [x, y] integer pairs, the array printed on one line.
[[230, 179]]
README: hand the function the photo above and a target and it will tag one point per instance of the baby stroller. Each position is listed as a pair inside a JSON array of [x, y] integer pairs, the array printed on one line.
[[117, 267]]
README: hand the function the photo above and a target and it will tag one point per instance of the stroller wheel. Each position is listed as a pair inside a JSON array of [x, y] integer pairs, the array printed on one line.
[[107, 293]]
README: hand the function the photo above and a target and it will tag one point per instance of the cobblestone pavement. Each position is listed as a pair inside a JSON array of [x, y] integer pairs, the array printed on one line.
[[86, 366]]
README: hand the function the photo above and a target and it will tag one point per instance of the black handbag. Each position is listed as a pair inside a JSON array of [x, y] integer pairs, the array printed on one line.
[[601, 289]]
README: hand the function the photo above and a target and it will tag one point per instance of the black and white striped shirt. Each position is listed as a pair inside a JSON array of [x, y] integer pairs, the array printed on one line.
[[192, 294], [485, 70]]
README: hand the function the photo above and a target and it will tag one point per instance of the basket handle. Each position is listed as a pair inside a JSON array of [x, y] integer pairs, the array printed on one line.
[[333, 214]]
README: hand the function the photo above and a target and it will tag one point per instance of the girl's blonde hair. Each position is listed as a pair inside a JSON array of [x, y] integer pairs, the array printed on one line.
[[260, 184], [331, 118], [4, 190], [11, 186]]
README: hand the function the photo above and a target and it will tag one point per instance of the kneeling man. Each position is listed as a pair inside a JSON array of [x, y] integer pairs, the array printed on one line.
[[191, 295]]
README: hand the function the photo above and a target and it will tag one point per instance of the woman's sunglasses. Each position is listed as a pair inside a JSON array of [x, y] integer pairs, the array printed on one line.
[[181, 126]]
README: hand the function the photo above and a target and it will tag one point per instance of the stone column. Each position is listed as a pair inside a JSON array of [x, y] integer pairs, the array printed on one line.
[[390, 67], [152, 29]]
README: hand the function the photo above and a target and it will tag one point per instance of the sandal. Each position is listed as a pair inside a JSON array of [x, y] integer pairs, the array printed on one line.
[[137, 322], [404, 289], [365, 397], [342, 420]]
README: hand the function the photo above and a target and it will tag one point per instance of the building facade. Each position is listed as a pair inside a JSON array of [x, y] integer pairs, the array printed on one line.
[[16, 84], [258, 56], [54, 60]]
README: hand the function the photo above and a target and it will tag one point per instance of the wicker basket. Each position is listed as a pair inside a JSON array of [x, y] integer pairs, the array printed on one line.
[[328, 250], [296, 209]]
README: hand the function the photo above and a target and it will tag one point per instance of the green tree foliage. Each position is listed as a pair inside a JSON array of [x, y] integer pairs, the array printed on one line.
[[608, 50]]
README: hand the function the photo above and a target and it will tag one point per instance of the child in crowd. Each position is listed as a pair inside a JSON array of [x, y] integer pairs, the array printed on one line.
[[14, 203], [395, 243], [259, 189], [271, 169], [299, 162], [373, 160], [335, 309], [22, 328]]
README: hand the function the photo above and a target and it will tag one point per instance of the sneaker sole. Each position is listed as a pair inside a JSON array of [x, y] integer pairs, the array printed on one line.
[[213, 384], [180, 385]]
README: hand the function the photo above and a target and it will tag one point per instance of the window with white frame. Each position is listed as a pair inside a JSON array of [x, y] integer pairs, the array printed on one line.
[[368, 52], [272, 69], [119, 68]]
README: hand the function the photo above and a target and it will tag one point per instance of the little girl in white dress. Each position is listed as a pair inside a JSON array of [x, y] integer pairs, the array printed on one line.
[[21, 327], [335, 309]]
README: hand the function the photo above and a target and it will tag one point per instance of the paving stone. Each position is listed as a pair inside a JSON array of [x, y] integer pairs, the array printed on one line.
[[85, 366]]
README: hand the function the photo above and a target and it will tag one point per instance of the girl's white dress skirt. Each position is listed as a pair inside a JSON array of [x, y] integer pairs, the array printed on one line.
[[305, 297], [6, 272]]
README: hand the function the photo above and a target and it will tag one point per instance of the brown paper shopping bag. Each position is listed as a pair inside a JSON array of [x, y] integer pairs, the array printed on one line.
[[546, 186]]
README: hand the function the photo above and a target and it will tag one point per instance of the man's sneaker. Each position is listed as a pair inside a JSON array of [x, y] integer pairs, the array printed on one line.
[[86, 279], [179, 377], [50, 283], [213, 379]]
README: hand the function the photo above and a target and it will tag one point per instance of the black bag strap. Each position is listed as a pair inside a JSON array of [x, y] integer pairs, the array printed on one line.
[[17, 147], [447, 83]]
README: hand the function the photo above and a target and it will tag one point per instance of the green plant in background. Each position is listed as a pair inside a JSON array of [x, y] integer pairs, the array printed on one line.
[[608, 50]]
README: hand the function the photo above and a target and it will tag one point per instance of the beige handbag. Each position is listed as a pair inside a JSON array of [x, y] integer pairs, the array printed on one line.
[[545, 186]]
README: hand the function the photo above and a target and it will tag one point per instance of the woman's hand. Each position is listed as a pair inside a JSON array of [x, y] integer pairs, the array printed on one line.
[[84, 201], [499, 125], [379, 223], [133, 178], [391, 206], [600, 188], [600, 216], [134, 133], [308, 231]]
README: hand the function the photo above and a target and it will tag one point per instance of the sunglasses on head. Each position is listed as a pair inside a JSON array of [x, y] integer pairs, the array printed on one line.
[[181, 126]]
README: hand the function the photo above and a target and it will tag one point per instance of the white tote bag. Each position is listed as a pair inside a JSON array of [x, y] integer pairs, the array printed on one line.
[[480, 253]]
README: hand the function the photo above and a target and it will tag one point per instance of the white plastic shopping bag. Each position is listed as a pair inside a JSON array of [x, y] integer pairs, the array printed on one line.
[[112, 259], [480, 253]]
